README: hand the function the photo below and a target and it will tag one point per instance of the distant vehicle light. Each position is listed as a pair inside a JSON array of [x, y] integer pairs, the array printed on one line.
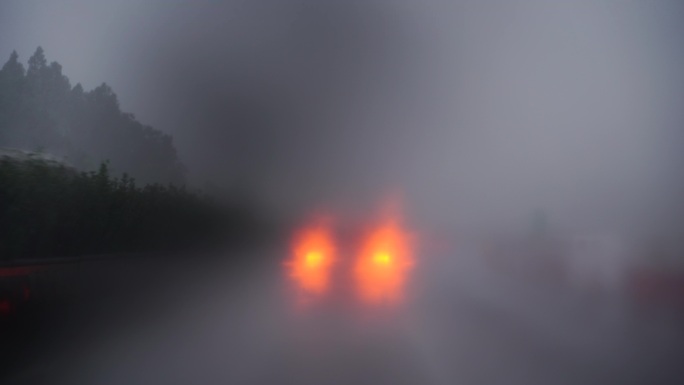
[[312, 257], [382, 259], [383, 264]]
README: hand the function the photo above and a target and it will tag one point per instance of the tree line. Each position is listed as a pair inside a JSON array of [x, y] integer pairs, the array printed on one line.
[[52, 211], [120, 187], [41, 111]]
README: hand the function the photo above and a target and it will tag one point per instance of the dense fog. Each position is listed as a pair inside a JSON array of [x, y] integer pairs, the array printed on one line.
[[530, 151], [480, 112]]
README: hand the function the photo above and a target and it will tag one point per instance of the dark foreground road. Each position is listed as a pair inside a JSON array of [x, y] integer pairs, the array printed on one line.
[[221, 326]]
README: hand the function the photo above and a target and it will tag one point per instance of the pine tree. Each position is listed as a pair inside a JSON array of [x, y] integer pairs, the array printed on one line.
[[12, 82], [12, 70], [37, 63]]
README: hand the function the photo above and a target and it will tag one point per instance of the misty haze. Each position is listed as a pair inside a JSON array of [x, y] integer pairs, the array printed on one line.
[[341, 192]]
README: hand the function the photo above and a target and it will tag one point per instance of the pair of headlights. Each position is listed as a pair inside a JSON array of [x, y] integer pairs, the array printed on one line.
[[379, 269]]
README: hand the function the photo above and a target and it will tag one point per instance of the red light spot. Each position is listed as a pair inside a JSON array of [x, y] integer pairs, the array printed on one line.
[[5, 307], [27, 293], [19, 270]]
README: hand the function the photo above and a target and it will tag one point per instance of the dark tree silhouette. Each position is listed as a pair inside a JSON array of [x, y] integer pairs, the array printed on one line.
[[48, 210], [40, 110]]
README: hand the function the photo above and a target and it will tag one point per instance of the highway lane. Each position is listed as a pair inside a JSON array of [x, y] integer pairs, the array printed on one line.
[[216, 326]]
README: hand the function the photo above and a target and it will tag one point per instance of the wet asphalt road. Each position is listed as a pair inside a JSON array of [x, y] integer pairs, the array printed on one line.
[[216, 326]]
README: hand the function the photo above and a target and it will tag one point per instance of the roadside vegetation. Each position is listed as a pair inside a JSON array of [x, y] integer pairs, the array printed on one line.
[[54, 211], [78, 176]]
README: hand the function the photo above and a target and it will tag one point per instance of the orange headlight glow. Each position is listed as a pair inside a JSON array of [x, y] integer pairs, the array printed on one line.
[[312, 257], [384, 262]]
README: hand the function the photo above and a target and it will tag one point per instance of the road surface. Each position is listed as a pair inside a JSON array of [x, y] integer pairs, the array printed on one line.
[[458, 325]]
